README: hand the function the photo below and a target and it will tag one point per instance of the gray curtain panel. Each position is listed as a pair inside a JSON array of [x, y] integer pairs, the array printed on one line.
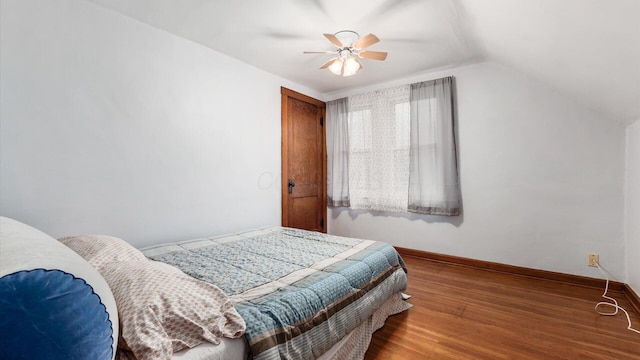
[[337, 128], [433, 179]]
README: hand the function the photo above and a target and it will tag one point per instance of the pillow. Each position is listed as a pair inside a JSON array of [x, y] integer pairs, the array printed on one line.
[[52, 314], [162, 310], [99, 250], [39, 275]]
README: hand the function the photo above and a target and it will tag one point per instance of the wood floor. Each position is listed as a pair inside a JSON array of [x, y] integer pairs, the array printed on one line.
[[464, 313]]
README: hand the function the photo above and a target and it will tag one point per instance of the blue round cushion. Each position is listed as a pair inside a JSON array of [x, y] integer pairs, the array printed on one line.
[[50, 314]]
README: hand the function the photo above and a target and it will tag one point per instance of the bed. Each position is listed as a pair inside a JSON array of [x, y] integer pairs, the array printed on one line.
[[300, 292], [272, 293]]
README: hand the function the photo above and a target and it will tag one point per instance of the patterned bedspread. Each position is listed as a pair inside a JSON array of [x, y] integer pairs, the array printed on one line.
[[299, 292]]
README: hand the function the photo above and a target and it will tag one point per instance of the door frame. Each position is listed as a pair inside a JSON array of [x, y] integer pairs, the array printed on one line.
[[285, 126]]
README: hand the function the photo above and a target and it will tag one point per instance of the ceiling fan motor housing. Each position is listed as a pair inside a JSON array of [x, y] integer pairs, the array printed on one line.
[[344, 53], [347, 37]]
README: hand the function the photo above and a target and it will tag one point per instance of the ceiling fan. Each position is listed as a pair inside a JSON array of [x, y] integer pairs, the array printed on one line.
[[349, 47]]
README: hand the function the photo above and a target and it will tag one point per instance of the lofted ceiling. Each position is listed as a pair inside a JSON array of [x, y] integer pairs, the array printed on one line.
[[587, 49]]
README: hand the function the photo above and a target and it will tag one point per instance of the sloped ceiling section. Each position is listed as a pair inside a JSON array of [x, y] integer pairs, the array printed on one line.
[[587, 49]]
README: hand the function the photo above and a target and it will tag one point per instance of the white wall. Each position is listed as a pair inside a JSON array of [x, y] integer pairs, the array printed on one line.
[[111, 126], [542, 180], [632, 208]]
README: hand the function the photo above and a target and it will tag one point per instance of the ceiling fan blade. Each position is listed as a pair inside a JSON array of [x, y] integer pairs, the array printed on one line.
[[318, 52], [373, 55], [334, 40], [366, 41], [328, 63]]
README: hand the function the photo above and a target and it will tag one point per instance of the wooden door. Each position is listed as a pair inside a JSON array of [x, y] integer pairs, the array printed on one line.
[[304, 167]]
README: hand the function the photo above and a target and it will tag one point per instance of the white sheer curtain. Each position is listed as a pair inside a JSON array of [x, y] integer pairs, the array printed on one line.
[[337, 129], [433, 181], [379, 149]]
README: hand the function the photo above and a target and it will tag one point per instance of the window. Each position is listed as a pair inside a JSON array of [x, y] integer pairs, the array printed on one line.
[[396, 150]]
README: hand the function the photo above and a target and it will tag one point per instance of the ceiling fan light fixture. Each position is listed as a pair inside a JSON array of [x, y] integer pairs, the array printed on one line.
[[336, 66], [351, 66]]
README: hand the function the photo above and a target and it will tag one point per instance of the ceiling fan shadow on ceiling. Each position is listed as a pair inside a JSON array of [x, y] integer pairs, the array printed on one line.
[[349, 47]]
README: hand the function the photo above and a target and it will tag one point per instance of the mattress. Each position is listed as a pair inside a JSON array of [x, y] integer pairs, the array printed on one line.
[[228, 349]]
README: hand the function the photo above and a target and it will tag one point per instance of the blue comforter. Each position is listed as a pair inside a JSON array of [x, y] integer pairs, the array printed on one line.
[[299, 292]]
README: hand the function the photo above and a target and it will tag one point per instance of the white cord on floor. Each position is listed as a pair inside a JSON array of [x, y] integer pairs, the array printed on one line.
[[613, 303]]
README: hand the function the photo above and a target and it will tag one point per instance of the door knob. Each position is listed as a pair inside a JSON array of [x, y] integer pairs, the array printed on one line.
[[291, 186]]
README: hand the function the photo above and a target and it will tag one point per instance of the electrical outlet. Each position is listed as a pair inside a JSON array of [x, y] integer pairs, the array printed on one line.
[[593, 259]]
